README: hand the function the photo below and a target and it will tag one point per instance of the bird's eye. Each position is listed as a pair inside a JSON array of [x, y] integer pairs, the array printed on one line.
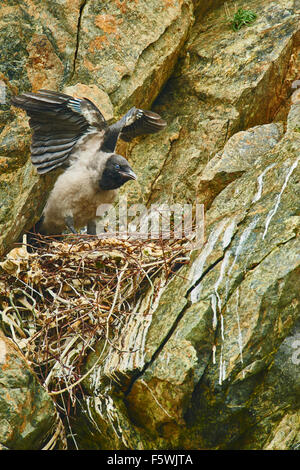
[[117, 166]]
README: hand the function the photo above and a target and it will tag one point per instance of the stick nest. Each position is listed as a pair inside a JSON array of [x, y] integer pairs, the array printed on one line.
[[59, 300]]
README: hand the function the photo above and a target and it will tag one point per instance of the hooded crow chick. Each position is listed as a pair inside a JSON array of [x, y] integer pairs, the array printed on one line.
[[72, 134]]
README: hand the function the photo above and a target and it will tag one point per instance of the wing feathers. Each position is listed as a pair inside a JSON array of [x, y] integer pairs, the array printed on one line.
[[135, 123], [58, 121], [48, 157], [42, 149], [54, 94], [45, 167], [47, 139], [140, 122]]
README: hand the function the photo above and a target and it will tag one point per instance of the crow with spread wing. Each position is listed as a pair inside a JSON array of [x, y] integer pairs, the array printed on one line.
[[72, 134]]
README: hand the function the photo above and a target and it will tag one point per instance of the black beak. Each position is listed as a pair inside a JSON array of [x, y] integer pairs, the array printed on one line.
[[129, 174]]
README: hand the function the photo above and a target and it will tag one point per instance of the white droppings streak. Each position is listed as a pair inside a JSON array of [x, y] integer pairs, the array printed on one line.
[[245, 235], [278, 198], [229, 233], [224, 371], [214, 353], [221, 276], [221, 367], [90, 415], [195, 294], [113, 418], [95, 376], [222, 327], [214, 309], [176, 334], [168, 358], [240, 338], [260, 183], [2, 352], [198, 265], [243, 239]]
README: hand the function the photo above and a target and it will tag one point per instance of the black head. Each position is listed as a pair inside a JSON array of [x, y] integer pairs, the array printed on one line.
[[116, 172]]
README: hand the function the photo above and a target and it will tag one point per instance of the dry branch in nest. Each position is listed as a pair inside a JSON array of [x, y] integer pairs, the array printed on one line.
[[58, 301]]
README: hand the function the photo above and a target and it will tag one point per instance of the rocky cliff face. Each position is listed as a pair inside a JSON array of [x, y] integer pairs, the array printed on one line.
[[216, 355]]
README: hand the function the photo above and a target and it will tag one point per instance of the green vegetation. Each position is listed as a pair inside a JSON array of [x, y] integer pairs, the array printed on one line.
[[243, 18]]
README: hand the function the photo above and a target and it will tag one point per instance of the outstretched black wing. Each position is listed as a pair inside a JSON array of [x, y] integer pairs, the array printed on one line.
[[58, 121], [135, 123]]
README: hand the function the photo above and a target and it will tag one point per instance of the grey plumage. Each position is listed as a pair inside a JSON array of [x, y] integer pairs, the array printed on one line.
[[72, 134]]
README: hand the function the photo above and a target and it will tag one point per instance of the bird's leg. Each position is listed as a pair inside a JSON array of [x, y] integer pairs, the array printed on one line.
[[91, 227], [69, 221]]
